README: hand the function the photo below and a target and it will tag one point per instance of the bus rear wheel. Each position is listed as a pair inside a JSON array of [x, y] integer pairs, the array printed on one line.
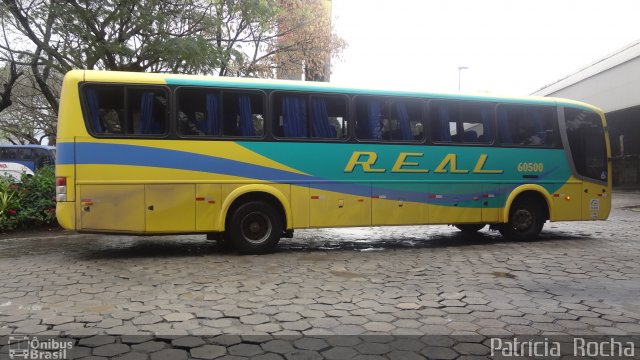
[[255, 228], [469, 228], [526, 219]]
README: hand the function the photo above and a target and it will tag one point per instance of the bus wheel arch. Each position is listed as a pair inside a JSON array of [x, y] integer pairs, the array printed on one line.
[[255, 192], [254, 221], [525, 214]]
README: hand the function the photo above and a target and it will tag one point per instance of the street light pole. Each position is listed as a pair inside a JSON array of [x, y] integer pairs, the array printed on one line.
[[460, 68]]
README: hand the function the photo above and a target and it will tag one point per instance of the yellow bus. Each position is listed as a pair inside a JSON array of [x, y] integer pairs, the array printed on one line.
[[249, 161]]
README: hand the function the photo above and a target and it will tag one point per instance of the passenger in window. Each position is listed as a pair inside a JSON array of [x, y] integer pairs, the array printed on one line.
[[187, 125], [110, 121], [528, 136]]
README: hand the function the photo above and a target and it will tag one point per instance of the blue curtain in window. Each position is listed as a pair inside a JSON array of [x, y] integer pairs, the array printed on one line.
[[94, 110], [536, 119], [294, 116], [147, 125], [470, 136], [374, 127], [443, 122], [486, 125], [246, 118], [503, 127], [403, 118], [212, 124], [320, 119]]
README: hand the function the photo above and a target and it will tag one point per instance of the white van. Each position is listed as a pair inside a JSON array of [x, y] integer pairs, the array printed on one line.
[[14, 170]]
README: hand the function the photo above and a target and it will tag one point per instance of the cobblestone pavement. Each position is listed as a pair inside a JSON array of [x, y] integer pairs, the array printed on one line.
[[380, 289]]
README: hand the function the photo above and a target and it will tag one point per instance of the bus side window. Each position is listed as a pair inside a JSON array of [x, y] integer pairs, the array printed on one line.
[[526, 126], [147, 109], [406, 124], [198, 112], [243, 114], [443, 121], [290, 117], [371, 118], [328, 117], [476, 123], [105, 109]]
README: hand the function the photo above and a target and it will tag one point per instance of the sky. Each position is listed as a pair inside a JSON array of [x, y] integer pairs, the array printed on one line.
[[511, 47]]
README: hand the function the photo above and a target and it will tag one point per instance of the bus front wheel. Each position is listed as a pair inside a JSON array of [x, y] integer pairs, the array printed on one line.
[[526, 219], [255, 228]]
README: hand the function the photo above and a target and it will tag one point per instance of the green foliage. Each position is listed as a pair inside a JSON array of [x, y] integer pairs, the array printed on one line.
[[30, 203]]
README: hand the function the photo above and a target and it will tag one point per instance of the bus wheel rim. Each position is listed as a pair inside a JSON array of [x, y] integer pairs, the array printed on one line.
[[522, 220], [256, 227]]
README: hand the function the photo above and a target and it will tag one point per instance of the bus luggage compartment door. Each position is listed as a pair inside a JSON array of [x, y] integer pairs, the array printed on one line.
[[340, 207], [170, 208], [112, 207]]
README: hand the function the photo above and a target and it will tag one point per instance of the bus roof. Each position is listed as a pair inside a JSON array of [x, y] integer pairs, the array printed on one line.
[[311, 86]]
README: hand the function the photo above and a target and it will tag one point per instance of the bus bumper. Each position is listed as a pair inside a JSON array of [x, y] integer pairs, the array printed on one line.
[[66, 214]]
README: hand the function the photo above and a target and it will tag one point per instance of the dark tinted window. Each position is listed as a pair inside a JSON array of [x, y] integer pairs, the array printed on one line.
[[242, 113], [526, 125], [587, 142], [461, 122], [389, 119], [207, 112], [301, 116], [198, 112], [122, 110], [9, 154]]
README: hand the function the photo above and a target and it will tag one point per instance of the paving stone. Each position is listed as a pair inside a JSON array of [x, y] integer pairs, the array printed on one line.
[[135, 339], [370, 348], [339, 353], [57, 320], [300, 325], [226, 340], [97, 340], [378, 326], [149, 346], [169, 354], [471, 349], [146, 320], [245, 350], [287, 316], [437, 352], [278, 346], [188, 342], [308, 343], [208, 352], [254, 319], [111, 350], [176, 317], [303, 354], [132, 356]]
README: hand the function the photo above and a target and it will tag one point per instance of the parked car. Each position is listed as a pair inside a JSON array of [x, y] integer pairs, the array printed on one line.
[[14, 171]]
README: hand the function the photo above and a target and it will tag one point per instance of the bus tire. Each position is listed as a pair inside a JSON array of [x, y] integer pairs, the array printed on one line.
[[526, 219], [255, 228], [469, 228]]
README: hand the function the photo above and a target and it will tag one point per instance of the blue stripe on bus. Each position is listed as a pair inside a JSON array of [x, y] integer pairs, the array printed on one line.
[[135, 155], [121, 154]]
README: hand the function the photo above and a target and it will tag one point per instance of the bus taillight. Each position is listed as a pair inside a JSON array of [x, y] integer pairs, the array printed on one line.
[[61, 188]]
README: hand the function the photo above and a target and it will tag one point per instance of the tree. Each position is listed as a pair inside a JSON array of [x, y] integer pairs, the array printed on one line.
[[224, 37], [11, 74]]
